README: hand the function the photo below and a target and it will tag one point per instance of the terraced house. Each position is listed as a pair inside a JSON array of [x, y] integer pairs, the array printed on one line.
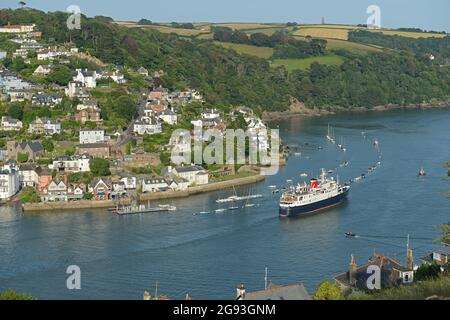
[[45, 126]]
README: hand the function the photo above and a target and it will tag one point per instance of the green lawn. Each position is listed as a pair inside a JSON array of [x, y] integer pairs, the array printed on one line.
[[303, 64], [261, 52]]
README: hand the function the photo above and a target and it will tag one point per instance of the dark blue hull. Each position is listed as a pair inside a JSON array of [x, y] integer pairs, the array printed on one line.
[[313, 208]]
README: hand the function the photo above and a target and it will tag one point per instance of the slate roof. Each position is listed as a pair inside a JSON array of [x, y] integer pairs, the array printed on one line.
[[278, 292]]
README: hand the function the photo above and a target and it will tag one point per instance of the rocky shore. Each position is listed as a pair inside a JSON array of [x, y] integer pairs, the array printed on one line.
[[298, 109]]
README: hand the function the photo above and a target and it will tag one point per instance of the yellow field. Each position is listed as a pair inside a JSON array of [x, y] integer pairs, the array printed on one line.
[[247, 26], [322, 32], [261, 52]]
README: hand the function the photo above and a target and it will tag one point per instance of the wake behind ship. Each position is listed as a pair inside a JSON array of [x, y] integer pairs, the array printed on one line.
[[319, 195]]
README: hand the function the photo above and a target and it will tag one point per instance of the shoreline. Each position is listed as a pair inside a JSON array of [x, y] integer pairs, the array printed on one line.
[[100, 204], [298, 109]]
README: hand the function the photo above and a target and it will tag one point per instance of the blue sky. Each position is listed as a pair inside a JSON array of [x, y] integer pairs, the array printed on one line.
[[426, 14]]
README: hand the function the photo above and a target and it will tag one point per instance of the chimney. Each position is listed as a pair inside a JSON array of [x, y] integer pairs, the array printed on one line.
[[352, 270], [409, 259], [240, 292]]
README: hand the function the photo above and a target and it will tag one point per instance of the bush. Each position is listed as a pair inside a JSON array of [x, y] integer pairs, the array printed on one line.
[[29, 195], [328, 291], [13, 295], [99, 167]]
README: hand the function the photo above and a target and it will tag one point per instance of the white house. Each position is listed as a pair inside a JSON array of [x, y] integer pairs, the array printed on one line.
[[87, 78], [154, 184], [129, 182], [10, 124], [45, 126], [92, 136], [43, 69], [196, 175], [147, 125], [28, 176], [210, 114], [168, 116], [118, 77], [9, 183]]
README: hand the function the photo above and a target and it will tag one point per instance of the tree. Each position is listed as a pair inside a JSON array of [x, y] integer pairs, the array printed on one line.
[[88, 196], [328, 291], [48, 145], [60, 75], [99, 167], [445, 233], [22, 157], [15, 111], [427, 272], [29, 195], [125, 107]]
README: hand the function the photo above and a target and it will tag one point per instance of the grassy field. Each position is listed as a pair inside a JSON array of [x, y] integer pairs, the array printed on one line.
[[303, 64], [261, 52], [166, 29], [352, 46]]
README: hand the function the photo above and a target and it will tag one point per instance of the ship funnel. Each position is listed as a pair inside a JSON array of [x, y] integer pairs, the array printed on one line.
[[313, 184]]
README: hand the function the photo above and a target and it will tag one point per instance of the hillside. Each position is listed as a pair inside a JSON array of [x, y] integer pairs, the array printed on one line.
[[351, 74]]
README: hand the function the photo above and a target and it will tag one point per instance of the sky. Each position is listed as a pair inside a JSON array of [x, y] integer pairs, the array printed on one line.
[[425, 14]]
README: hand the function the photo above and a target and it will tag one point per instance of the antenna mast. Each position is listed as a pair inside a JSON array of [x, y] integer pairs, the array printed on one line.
[[265, 279]]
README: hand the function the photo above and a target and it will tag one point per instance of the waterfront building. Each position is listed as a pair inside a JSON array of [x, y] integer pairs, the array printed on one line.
[[64, 164], [44, 178], [195, 175], [28, 176], [9, 184], [100, 188], [155, 184], [55, 191], [129, 182]]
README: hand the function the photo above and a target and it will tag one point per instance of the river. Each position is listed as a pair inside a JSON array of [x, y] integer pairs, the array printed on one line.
[[209, 255]]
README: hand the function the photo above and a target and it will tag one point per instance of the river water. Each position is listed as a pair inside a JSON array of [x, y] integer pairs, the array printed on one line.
[[209, 255]]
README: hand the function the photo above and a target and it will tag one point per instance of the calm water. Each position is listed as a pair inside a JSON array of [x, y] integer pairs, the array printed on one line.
[[208, 255]]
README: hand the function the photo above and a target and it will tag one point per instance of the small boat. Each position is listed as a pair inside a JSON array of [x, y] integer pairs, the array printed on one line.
[[330, 171], [303, 174], [276, 191], [297, 154], [220, 210], [422, 172], [272, 187], [376, 143], [350, 234], [204, 212], [249, 205], [233, 208]]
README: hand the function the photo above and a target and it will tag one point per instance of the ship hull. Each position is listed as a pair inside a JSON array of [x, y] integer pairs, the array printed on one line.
[[312, 208]]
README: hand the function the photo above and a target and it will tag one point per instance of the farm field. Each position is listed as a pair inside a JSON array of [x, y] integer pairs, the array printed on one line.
[[261, 52], [303, 64]]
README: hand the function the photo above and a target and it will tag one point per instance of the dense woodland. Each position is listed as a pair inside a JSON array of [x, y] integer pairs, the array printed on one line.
[[227, 78], [422, 47]]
